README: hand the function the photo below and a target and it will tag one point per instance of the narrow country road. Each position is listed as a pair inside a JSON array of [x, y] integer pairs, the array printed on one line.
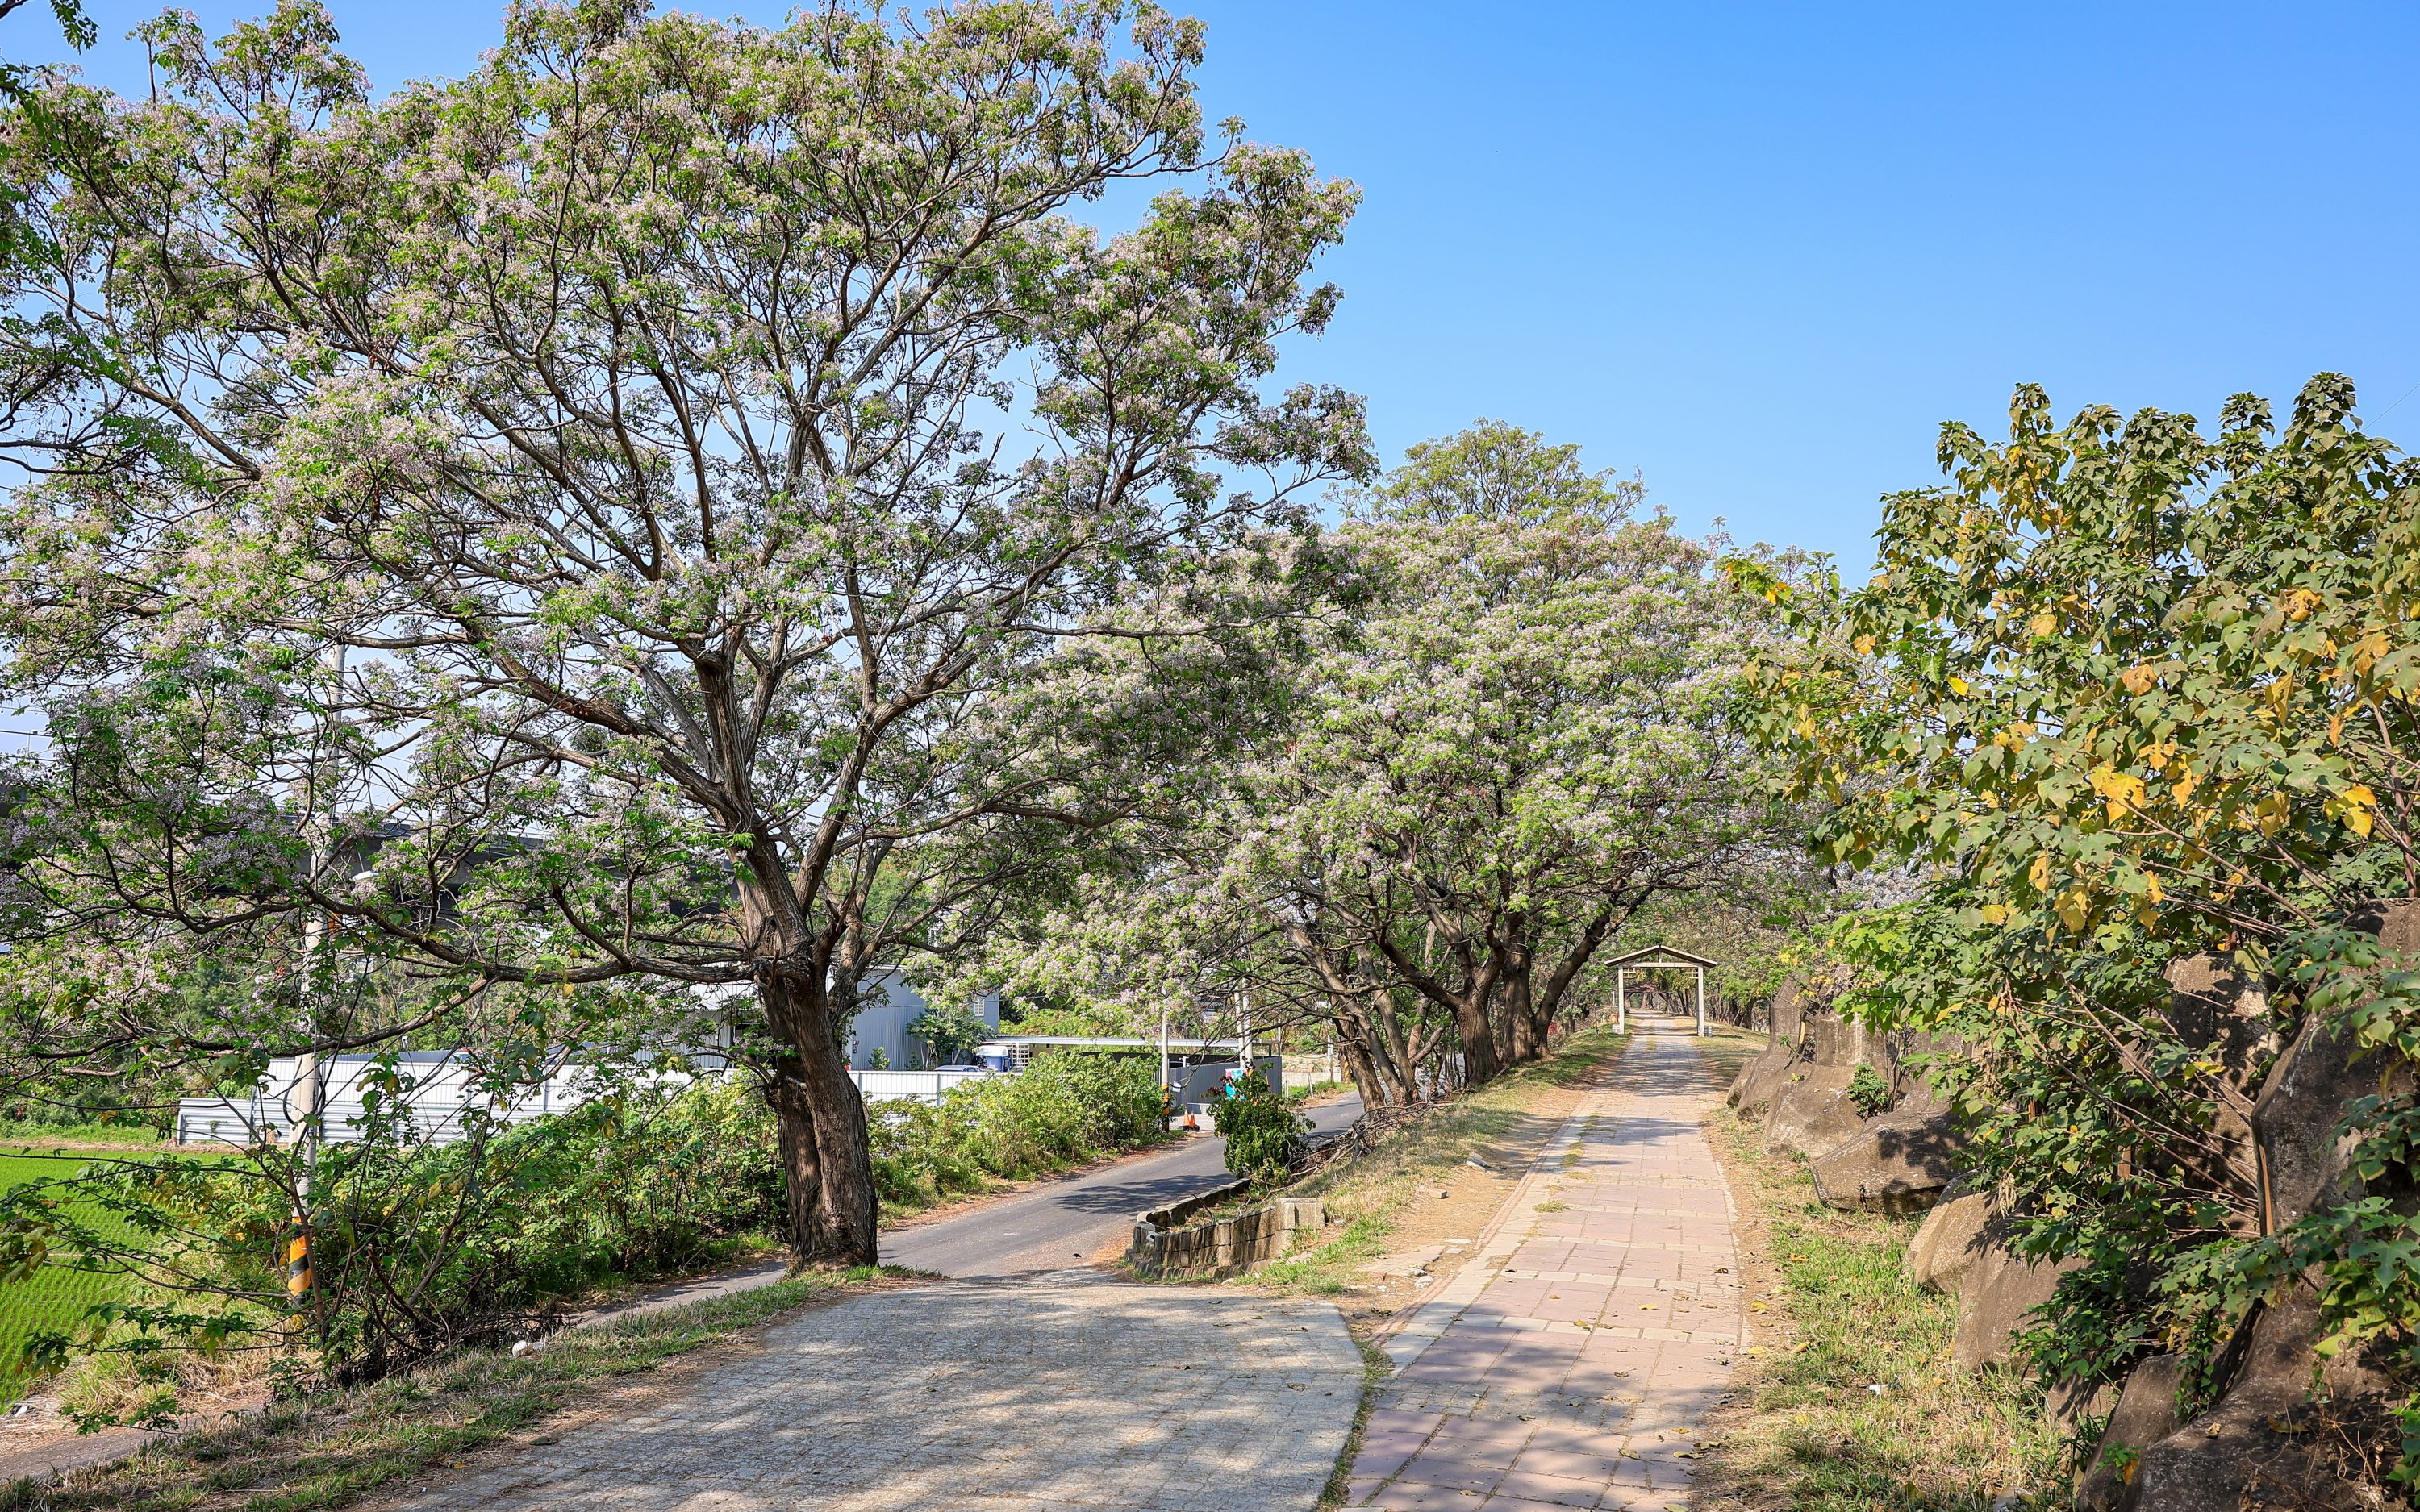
[[1061, 1223]]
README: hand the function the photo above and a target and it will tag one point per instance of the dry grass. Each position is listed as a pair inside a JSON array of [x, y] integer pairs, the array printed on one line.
[[1833, 1314]]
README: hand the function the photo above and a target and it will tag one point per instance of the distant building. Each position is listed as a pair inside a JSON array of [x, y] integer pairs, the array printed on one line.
[[882, 1025]]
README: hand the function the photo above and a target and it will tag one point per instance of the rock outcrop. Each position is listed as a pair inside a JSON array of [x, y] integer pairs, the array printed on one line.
[[1812, 1113], [2146, 1413], [1948, 1241], [1753, 1089], [1900, 1161], [2272, 1438], [1996, 1297], [2269, 1441]]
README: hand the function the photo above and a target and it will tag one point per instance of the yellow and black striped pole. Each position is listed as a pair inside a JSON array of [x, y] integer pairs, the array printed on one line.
[[297, 1258]]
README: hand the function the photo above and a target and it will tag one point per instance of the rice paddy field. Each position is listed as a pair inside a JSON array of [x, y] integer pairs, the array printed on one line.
[[55, 1297]]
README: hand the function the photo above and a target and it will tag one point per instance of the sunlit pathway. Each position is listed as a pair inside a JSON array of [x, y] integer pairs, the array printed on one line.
[[1571, 1361], [1057, 1393]]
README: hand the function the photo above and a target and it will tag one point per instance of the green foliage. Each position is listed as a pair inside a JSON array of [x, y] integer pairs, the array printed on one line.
[[1262, 1131], [1869, 1093], [415, 1247], [952, 1033], [56, 1296], [2130, 694], [1060, 1111]]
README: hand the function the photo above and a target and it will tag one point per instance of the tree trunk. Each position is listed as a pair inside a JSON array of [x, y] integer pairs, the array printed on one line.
[[1364, 1073], [826, 1160], [794, 1127], [1522, 1022]]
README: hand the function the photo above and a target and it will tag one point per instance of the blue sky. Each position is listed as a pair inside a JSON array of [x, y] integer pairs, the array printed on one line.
[[1759, 252]]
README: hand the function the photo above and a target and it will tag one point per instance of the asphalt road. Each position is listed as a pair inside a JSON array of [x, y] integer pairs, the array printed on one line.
[[1061, 1224]]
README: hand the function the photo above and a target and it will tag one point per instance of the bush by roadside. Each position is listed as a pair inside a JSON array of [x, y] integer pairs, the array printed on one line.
[[1833, 1315], [1061, 1111]]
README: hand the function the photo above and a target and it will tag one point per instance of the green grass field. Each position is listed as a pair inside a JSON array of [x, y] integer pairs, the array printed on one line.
[[56, 1296]]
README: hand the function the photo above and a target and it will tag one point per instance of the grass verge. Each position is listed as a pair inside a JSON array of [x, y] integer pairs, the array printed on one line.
[[327, 1450], [1833, 1315], [1376, 1369]]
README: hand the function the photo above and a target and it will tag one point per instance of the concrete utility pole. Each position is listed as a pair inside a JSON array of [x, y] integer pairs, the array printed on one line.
[[1701, 1002]]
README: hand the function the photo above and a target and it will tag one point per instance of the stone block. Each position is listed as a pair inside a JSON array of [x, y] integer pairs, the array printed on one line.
[[1833, 1040], [2294, 1121], [2145, 1415], [1811, 1113], [2259, 1446], [1789, 1012], [1948, 1241], [1898, 1163], [1996, 1297], [1753, 1088]]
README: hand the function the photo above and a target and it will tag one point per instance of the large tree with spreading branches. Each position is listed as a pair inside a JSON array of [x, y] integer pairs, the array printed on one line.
[[646, 510]]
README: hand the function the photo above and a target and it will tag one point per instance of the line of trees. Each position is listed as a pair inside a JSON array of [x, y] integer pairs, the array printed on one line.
[[1519, 739], [687, 515]]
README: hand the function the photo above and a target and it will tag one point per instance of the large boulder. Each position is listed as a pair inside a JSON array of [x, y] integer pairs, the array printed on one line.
[[2268, 1441], [1995, 1297], [2145, 1415], [1897, 1163], [1812, 1113], [1948, 1241], [1753, 1088], [1833, 1040]]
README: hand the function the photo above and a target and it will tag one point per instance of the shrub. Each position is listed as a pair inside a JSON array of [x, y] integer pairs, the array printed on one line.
[[1264, 1133], [1868, 1092], [1064, 1110], [414, 1247]]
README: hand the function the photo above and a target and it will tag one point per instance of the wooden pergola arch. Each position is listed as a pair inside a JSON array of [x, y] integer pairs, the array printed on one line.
[[1652, 957]]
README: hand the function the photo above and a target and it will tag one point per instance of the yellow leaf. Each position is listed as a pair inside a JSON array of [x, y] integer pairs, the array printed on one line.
[[2151, 888], [2073, 909], [2139, 679], [2038, 874], [1994, 913], [2044, 625], [1957, 686], [2358, 803]]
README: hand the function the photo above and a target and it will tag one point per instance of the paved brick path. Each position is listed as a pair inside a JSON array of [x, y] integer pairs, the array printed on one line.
[[1025, 1397], [1571, 1360]]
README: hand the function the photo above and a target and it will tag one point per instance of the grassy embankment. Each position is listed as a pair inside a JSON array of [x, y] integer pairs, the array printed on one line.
[[325, 1451], [1832, 1315], [1419, 1186]]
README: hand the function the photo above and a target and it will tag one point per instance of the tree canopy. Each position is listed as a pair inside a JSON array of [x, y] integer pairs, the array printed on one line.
[[658, 506]]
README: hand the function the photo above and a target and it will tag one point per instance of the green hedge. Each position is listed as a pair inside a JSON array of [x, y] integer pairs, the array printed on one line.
[[1064, 1110]]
